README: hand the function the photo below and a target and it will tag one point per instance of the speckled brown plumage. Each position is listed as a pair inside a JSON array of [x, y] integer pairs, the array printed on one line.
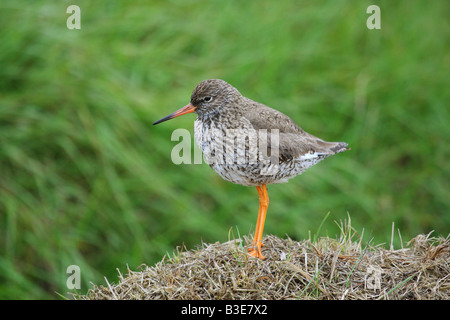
[[250, 144], [228, 109]]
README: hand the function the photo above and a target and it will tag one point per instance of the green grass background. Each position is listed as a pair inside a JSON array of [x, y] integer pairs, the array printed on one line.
[[85, 179]]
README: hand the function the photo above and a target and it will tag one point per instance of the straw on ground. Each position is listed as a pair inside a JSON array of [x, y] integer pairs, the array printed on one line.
[[342, 268]]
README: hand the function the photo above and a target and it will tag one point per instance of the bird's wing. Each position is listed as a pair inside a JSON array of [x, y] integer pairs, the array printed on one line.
[[263, 117], [294, 142], [306, 146]]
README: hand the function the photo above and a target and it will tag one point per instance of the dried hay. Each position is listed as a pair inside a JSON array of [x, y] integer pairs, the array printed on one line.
[[322, 269]]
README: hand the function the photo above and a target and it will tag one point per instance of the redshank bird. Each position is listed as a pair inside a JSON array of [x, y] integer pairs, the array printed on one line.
[[250, 144]]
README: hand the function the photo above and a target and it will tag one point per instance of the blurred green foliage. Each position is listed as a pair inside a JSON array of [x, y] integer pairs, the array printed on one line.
[[86, 179]]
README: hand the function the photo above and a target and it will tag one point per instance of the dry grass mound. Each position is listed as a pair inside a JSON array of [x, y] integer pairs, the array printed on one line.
[[343, 268]]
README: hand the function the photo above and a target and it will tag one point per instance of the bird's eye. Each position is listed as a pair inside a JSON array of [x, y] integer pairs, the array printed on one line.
[[207, 99]]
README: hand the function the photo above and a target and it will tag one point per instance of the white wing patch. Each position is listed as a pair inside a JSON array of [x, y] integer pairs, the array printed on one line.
[[311, 156], [309, 159]]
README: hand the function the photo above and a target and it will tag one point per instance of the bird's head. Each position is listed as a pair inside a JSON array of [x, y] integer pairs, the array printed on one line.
[[208, 98]]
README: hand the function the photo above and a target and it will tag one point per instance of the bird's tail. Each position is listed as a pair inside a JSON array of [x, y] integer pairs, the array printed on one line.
[[339, 147]]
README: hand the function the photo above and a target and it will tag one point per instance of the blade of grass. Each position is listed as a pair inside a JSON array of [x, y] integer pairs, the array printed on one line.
[[396, 287]]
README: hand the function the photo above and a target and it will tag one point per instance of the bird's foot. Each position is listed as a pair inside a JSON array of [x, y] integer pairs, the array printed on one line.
[[255, 245], [255, 251]]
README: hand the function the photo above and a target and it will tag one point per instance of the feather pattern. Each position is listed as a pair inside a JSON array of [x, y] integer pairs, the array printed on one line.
[[250, 144]]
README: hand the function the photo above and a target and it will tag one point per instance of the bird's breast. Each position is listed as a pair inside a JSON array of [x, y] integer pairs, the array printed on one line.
[[222, 144], [237, 154]]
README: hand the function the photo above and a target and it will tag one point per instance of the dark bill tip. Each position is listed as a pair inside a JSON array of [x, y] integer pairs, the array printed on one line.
[[170, 116], [186, 109]]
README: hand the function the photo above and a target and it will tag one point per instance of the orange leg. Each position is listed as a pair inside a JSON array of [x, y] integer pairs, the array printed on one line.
[[255, 250]]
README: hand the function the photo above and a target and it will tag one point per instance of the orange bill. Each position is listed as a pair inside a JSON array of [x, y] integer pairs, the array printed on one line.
[[186, 109]]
